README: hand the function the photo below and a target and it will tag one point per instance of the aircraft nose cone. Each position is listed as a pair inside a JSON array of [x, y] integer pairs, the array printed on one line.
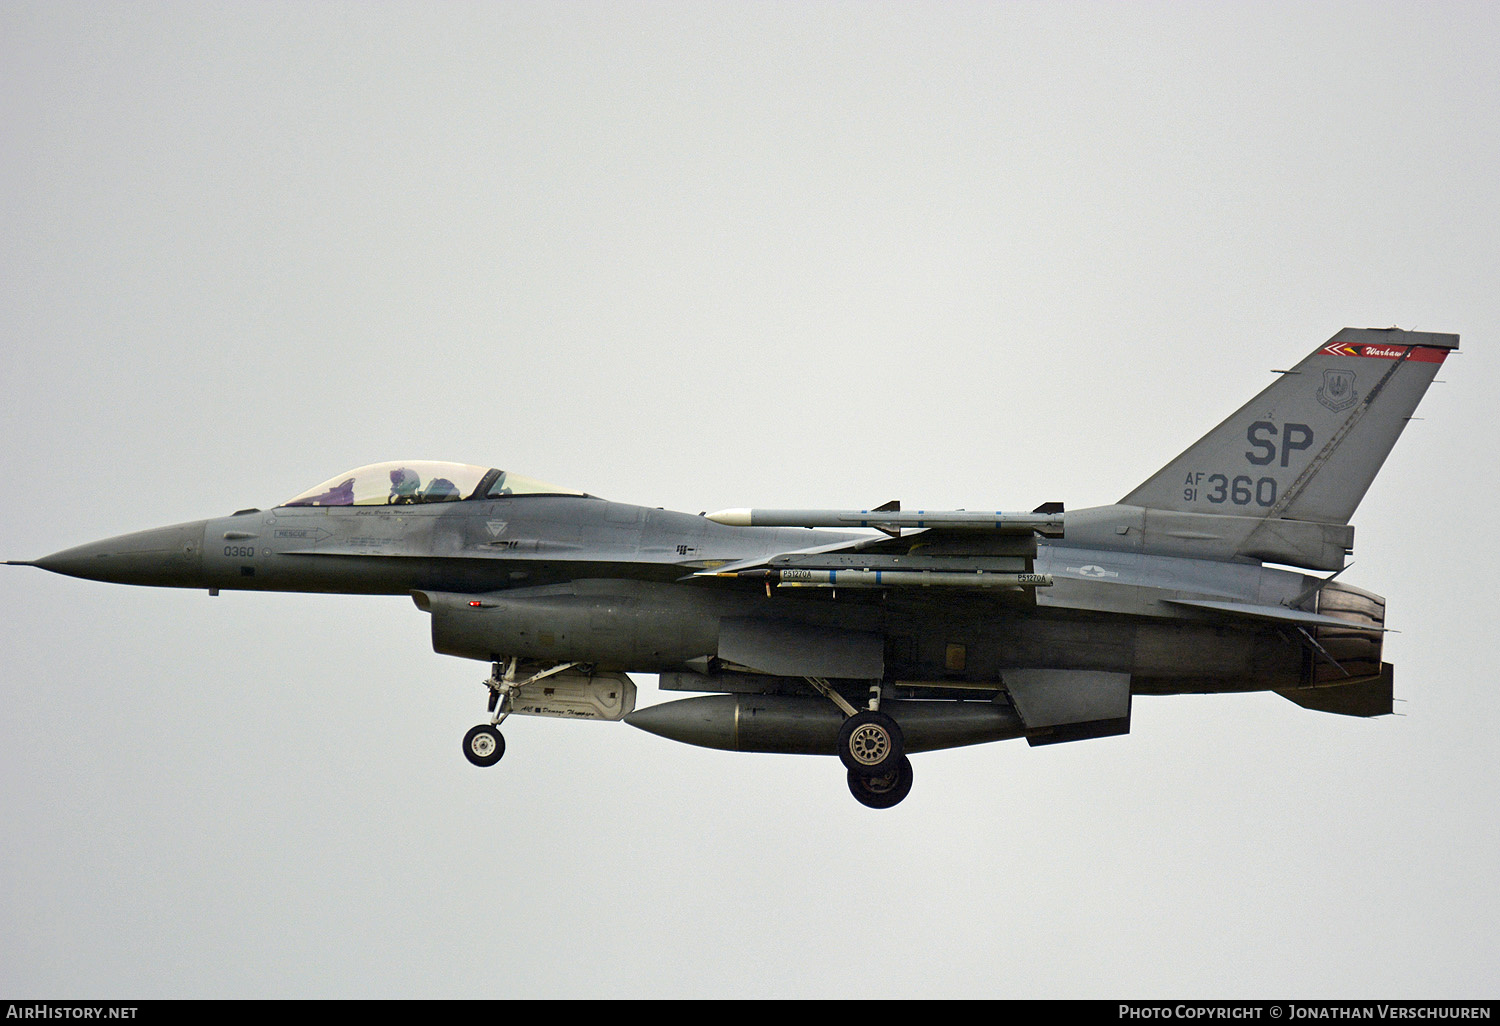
[[170, 557]]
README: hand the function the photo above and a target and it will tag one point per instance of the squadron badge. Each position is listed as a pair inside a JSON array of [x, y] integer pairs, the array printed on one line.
[[1338, 391]]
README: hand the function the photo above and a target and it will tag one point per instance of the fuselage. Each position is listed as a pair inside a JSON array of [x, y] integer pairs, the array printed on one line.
[[1110, 608]]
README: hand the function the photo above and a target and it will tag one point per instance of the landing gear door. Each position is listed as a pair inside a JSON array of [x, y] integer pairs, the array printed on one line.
[[577, 696]]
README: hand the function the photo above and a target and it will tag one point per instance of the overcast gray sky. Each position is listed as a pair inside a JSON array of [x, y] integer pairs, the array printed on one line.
[[700, 255]]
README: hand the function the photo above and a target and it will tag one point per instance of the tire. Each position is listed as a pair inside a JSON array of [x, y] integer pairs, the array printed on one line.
[[484, 745], [870, 743], [882, 790]]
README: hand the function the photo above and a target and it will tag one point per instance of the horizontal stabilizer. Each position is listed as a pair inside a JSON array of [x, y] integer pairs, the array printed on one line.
[[1362, 698]]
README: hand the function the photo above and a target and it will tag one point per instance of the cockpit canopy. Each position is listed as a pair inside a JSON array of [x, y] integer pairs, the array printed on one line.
[[421, 481]]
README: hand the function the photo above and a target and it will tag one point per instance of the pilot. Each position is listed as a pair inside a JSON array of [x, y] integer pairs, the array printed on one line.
[[404, 485], [341, 494], [440, 489]]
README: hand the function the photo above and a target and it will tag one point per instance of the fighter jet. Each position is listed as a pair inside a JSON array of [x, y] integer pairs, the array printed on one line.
[[870, 635]]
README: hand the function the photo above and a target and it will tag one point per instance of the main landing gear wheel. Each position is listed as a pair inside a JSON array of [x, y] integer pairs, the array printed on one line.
[[484, 745], [883, 790], [870, 743]]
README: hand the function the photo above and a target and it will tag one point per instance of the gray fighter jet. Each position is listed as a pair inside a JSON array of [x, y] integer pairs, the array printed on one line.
[[868, 634]]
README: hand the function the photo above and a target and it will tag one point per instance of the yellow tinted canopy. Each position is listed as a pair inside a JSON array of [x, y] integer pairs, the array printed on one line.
[[421, 481]]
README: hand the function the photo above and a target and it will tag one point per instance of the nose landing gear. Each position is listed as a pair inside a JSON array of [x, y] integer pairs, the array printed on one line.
[[484, 744]]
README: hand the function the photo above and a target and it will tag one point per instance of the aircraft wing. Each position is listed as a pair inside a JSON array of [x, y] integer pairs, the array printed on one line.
[[763, 562], [1277, 614]]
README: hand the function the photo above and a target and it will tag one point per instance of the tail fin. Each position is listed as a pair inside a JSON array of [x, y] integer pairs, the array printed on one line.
[[1307, 447]]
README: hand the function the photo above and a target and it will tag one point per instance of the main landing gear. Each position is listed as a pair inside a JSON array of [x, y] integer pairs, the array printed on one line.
[[870, 743], [882, 790], [871, 748], [484, 744]]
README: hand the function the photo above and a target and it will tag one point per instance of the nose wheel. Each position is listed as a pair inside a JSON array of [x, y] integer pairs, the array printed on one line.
[[484, 745]]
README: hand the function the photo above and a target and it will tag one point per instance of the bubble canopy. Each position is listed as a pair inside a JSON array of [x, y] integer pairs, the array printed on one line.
[[421, 481]]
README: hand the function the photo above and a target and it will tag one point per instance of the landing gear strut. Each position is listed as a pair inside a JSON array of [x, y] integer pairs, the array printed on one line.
[[484, 744]]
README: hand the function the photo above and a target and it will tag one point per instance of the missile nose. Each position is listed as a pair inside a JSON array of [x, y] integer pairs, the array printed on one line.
[[169, 557]]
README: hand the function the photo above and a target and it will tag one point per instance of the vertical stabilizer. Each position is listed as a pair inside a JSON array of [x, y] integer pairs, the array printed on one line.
[[1308, 446]]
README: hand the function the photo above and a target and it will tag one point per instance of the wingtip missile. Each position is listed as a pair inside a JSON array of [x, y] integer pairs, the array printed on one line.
[[885, 519], [737, 517]]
